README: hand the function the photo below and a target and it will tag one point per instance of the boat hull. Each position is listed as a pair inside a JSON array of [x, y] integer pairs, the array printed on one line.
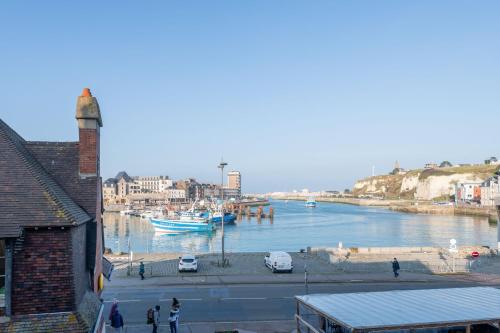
[[179, 226], [228, 218]]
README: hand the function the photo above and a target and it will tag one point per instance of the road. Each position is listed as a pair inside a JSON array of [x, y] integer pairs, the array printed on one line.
[[222, 303]]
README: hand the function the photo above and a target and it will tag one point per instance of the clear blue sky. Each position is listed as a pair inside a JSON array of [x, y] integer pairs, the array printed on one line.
[[305, 94]]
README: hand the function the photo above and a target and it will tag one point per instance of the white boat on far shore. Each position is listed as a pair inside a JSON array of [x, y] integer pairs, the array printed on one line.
[[310, 203]]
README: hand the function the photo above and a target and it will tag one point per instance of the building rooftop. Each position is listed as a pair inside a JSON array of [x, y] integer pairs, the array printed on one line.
[[391, 310], [29, 195]]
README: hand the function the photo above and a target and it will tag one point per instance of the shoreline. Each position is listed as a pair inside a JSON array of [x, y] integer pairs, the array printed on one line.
[[407, 206]]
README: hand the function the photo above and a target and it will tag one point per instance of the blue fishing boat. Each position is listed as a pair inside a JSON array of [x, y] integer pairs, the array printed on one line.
[[228, 218], [183, 224], [215, 217]]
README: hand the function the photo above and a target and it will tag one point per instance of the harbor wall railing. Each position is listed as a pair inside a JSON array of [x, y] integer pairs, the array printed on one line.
[[411, 259]]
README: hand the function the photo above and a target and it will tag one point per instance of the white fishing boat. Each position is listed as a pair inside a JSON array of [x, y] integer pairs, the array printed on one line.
[[183, 224], [310, 203], [127, 212]]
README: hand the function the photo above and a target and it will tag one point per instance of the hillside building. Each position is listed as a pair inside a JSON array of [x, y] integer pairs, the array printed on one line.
[[468, 192], [490, 189], [492, 161]]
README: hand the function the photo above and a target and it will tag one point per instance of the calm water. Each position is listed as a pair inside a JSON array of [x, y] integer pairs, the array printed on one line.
[[295, 227]]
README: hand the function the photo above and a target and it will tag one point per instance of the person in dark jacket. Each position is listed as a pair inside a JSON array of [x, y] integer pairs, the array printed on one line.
[[176, 306], [156, 319], [117, 320], [141, 270], [395, 267], [173, 319], [114, 307]]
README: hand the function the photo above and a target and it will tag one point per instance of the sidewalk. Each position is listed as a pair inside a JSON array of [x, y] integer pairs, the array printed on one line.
[[285, 326], [188, 280]]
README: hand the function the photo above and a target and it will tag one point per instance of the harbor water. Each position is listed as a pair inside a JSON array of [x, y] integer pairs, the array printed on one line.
[[296, 227]]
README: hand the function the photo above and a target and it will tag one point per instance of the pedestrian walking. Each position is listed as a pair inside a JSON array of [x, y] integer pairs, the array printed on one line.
[[117, 321], [114, 307], [395, 267], [173, 319], [176, 305], [156, 319], [141, 270]]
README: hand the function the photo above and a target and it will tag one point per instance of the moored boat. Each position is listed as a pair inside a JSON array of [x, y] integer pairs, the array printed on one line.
[[228, 218], [311, 203], [183, 224]]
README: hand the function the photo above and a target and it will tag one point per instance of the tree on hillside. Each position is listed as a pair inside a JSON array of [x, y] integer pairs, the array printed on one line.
[[445, 164]]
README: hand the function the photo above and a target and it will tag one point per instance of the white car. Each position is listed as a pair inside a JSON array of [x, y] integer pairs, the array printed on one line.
[[188, 262], [279, 261]]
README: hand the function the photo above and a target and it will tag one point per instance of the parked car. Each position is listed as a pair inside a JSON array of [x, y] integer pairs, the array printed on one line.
[[188, 262], [279, 261]]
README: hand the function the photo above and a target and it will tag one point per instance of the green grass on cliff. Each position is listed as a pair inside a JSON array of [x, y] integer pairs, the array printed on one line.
[[481, 170], [392, 183]]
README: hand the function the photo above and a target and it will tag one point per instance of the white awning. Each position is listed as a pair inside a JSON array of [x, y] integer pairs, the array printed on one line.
[[408, 308]]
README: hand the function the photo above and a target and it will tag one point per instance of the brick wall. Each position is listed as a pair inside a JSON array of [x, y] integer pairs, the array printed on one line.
[[88, 146], [42, 278]]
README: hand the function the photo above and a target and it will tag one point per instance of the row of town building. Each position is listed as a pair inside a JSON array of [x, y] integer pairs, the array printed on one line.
[[123, 189], [482, 193]]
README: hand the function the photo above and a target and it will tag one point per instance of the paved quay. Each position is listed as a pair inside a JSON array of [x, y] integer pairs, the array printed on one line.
[[252, 263], [322, 264]]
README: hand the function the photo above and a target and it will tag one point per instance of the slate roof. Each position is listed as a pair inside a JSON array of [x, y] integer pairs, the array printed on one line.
[[61, 161], [29, 195], [110, 181], [60, 322], [124, 175]]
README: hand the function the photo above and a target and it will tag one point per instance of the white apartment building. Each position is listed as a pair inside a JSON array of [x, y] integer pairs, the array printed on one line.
[[153, 184]]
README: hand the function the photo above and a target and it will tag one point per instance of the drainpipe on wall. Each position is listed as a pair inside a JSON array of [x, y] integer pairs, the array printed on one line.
[[9, 249], [497, 204]]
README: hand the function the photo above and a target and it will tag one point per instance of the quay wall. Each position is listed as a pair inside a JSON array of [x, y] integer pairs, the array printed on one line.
[[433, 260], [408, 206]]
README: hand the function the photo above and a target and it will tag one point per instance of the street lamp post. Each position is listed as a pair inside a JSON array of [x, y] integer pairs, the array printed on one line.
[[221, 167]]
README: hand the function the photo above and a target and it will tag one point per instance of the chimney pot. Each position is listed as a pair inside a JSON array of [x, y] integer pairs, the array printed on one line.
[[86, 92]]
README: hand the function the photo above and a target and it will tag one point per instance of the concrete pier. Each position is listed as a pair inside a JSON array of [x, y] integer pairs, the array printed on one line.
[[246, 210]]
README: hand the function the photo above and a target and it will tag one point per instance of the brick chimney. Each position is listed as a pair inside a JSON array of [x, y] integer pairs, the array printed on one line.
[[89, 123]]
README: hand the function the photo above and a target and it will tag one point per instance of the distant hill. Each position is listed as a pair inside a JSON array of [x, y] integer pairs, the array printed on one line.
[[423, 184]]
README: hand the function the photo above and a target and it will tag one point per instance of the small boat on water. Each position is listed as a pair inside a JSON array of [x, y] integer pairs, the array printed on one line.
[[311, 203], [127, 212], [228, 218], [182, 224]]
